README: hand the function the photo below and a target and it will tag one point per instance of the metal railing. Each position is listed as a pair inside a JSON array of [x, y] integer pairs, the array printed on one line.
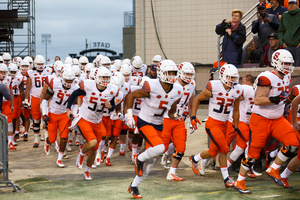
[[4, 154], [250, 14]]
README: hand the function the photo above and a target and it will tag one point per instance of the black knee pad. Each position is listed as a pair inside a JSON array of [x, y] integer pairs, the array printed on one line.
[[177, 155], [289, 151], [248, 162], [123, 132], [36, 126]]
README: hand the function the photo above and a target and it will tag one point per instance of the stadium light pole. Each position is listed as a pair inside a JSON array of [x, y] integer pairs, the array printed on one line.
[[46, 38]]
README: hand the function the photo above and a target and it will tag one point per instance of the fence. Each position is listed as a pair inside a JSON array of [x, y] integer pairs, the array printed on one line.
[[4, 155]]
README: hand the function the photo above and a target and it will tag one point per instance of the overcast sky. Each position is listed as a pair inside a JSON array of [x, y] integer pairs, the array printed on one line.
[[70, 22]]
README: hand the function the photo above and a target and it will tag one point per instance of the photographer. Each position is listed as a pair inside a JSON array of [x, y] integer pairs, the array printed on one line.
[[264, 25], [234, 33]]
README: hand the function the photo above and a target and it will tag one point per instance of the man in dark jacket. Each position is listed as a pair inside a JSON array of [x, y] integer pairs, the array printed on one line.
[[234, 33], [289, 31], [270, 49]]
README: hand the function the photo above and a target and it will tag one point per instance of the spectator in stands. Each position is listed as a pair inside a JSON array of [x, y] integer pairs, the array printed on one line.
[[234, 33], [264, 25], [288, 32], [276, 9], [254, 56], [4, 92], [270, 49]]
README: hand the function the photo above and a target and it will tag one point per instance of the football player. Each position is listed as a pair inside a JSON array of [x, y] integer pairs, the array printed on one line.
[[224, 95], [162, 95], [267, 119]]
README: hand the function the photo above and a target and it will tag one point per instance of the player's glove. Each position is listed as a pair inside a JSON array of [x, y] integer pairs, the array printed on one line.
[[130, 121], [26, 104], [277, 99], [192, 129], [46, 119], [179, 112], [194, 122]]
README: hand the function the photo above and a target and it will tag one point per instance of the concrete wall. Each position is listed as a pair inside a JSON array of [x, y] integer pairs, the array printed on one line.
[[128, 42], [186, 28], [202, 75]]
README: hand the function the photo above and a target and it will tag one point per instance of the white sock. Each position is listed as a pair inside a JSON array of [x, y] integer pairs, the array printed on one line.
[[87, 169], [170, 150], [173, 170], [275, 165], [224, 171], [70, 135], [122, 146], [10, 138], [17, 132], [198, 157], [152, 152], [102, 145], [60, 155], [110, 152], [228, 163], [147, 168], [241, 177], [274, 153], [134, 149], [286, 173]]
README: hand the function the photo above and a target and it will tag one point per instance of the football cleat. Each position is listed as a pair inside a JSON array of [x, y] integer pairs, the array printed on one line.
[[97, 159], [173, 177], [194, 164], [46, 148], [14, 143], [102, 157], [274, 174], [86, 176], [138, 166], [164, 160], [65, 156], [251, 174], [133, 156], [70, 142], [122, 153], [202, 167], [107, 161], [286, 184], [11, 146], [229, 182], [241, 187], [42, 138], [94, 165], [79, 161], [35, 145], [25, 137], [135, 192], [16, 136], [60, 164], [77, 143]]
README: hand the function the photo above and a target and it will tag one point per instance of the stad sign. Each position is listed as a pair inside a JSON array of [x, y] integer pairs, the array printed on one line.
[[100, 45]]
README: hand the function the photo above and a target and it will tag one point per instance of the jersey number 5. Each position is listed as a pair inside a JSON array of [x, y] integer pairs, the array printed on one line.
[[162, 106]]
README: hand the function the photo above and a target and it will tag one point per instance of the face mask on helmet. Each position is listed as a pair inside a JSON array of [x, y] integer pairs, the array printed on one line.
[[229, 75], [68, 78], [168, 76], [103, 80], [24, 69], [283, 61]]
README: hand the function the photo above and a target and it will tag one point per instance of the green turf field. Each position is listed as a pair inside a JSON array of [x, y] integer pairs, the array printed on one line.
[[209, 186]]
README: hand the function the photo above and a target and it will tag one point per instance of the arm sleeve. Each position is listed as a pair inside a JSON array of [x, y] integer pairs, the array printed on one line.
[[113, 105], [220, 30], [274, 25], [44, 107], [5, 92], [73, 96], [281, 31]]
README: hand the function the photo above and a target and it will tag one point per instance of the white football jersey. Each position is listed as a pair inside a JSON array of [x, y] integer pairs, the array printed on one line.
[[188, 91], [133, 81], [37, 81], [76, 81], [94, 101], [159, 102], [277, 85], [136, 103], [221, 102], [139, 73], [24, 80], [8, 82], [59, 100], [15, 85], [246, 104]]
